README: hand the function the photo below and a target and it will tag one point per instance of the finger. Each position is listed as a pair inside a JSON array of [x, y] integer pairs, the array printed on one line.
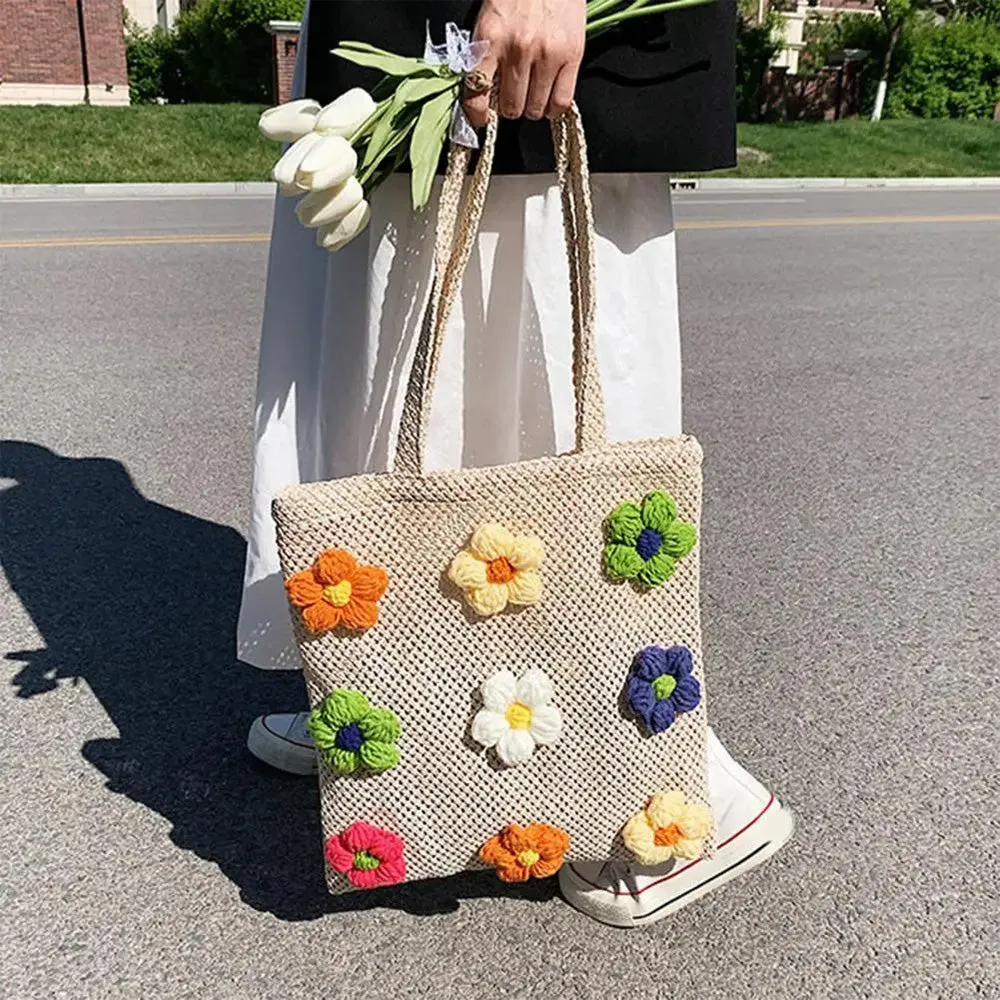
[[543, 77], [477, 106], [563, 90], [515, 75]]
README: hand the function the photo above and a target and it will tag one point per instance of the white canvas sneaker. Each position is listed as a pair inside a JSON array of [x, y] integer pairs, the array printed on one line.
[[283, 741], [751, 826]]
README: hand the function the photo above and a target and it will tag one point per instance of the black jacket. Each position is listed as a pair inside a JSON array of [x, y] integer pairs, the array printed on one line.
[[656, 94]]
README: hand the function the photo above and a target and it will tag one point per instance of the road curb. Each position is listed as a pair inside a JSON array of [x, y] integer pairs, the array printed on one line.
[[95, 192], [265, 189], [723, 184]]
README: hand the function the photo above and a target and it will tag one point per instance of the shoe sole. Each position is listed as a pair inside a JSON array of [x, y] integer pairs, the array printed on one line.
[[775, 827], [279, 752]]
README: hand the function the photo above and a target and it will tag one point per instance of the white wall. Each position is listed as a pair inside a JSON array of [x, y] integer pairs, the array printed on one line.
[[793, 30], [149, 13]]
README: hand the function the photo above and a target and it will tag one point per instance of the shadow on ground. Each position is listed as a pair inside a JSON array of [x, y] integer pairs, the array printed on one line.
[[140, 600]]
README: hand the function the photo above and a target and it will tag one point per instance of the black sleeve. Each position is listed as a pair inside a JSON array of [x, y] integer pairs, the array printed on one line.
[[656, 93]]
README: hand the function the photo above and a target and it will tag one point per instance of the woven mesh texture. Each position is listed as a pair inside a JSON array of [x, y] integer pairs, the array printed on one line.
[[428, 656]]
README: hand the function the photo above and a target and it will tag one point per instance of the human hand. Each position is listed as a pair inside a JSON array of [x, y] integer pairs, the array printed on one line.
[[535, 51]]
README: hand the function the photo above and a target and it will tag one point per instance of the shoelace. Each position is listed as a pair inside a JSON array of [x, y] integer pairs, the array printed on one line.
[[619, 872]]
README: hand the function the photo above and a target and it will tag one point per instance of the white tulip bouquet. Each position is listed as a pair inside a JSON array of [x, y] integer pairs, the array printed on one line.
[[339, 154]]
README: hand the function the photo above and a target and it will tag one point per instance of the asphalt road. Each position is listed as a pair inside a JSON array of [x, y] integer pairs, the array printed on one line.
[[843, 373]]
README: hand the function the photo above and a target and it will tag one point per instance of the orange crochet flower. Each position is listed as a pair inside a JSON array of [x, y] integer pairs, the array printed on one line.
[[519, 853], [335, 590]]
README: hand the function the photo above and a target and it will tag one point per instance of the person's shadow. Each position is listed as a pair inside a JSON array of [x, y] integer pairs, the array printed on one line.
[[141, 600]]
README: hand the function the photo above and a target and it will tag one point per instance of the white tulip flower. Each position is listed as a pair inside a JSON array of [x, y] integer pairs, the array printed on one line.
[[346, 114], [326, 207], [342, 232], [328, 162], [287, 167], [291, 121]]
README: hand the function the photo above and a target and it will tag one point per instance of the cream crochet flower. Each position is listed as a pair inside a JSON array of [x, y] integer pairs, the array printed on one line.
[[669, 827], [497, 569], [517, 715]]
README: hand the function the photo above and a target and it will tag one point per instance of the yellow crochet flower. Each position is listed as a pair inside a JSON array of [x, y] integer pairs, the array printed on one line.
[[669, 827], [497, 569]]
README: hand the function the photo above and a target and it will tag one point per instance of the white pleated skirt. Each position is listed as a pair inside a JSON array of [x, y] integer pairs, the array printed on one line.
[[339, 332]]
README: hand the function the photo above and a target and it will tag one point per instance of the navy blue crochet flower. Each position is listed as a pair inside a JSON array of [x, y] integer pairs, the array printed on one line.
[[661, 686]]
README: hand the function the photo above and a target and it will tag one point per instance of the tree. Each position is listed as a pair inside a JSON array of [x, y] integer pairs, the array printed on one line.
[[986, 10], [756, 46], [896, 15]]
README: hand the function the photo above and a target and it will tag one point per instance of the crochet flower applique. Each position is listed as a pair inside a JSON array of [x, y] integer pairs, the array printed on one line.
[[498, 569], [669, 827], [644, 541], [517, 715], [336, 591], [350, 735], [368, 855], [519, 853], [661, 686]]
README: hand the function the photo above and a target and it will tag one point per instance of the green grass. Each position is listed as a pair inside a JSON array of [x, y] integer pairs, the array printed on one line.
[[206, 142], [74, 145], [911, 148]]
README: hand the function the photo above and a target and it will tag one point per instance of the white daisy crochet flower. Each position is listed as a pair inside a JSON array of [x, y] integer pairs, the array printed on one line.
[[517, 715]]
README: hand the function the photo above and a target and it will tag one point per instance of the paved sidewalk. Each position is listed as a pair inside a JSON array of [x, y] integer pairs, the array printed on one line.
[[251, 189]]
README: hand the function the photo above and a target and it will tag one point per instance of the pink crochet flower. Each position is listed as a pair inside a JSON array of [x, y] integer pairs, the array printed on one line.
[[368, 855]]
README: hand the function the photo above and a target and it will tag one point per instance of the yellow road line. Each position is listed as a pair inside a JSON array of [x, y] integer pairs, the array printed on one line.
[[690, 224], [124, 241]]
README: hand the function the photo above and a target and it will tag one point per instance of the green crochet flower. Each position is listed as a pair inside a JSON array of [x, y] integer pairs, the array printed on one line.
[[351, 735], [646, 540]]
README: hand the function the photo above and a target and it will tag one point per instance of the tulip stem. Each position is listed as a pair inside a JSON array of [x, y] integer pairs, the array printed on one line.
[[371, 121], [597, 7], [398, 140], [602, 24], [385, 169]]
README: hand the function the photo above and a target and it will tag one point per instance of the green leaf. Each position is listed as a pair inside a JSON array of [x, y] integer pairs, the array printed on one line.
[[419, 88], [392, 162], [369, 124], [396, 140], [380, 139], [410, 91], [426, 145], [387, 62]]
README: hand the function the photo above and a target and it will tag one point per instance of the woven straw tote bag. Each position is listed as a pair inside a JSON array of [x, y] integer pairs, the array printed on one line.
[[504, 664]]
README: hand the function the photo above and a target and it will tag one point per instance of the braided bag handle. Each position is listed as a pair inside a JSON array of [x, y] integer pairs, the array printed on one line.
[[457, 228]]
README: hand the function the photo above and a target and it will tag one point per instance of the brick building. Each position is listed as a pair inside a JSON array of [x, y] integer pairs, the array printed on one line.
[[284, 45], [62, 52]]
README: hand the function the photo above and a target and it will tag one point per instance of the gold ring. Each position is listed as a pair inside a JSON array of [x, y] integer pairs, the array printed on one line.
[[477, 82]]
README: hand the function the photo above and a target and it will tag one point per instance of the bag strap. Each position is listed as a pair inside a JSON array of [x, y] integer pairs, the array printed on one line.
[[457, 228]]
